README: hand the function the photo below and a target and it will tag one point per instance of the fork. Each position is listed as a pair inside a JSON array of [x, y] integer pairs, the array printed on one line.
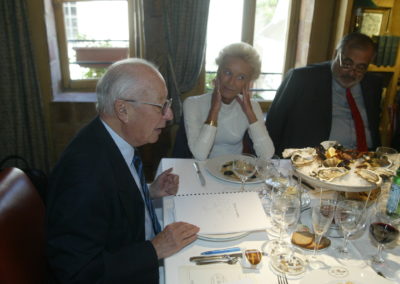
[[282, 279]]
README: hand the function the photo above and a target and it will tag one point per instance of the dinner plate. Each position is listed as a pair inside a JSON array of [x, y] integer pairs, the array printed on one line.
[[339, 185], [222, 237], [213, 166], [343, 275]]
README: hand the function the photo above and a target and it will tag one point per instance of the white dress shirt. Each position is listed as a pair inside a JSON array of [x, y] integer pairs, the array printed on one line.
[[343, 129]]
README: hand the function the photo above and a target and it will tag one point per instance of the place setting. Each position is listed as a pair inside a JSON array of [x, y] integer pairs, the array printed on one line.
[[306, 224]]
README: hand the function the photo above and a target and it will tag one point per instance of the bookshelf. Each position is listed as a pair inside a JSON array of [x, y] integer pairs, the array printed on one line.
[[380, 18], [388, 98]]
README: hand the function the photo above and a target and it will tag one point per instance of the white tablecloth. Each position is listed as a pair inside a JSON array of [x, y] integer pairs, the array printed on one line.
[[177, 265]]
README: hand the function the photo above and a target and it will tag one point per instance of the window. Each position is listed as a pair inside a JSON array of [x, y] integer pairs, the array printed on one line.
[[266, 30], [92, 35]]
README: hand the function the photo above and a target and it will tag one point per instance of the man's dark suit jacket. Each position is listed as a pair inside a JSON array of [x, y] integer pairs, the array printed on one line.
[[95, 215], [301, 113]]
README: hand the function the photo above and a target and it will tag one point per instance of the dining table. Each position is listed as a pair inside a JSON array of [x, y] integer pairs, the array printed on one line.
[[178, 269]]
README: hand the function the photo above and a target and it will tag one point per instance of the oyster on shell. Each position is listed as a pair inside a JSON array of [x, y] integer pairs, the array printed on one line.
[[331, 162], [384, 172], [309, 151], [329, 174], [369, 175], [299, 159]]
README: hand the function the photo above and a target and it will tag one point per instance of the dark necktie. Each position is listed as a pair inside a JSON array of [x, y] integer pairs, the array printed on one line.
[[358, 122], [137, 162]]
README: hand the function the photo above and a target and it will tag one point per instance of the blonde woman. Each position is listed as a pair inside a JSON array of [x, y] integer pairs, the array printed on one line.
[[216, 122]]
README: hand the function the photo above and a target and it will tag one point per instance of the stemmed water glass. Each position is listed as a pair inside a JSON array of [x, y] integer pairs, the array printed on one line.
[[244, 166], [322, 216], [285, 212], [267, 170], [350, 215]]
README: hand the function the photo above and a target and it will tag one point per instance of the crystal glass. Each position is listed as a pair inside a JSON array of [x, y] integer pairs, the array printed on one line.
[[384, 230], [285, 212], [244, 166], [322, 216], [382, 150], [267, 170], [350, 215]]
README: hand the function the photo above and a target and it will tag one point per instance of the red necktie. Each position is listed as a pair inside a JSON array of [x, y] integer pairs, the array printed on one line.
[[358, 122]]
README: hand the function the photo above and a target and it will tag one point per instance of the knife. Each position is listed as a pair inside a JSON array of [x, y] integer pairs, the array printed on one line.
[[199, 174]]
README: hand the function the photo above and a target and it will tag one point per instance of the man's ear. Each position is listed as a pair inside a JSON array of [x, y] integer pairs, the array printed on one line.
[[121, 111]]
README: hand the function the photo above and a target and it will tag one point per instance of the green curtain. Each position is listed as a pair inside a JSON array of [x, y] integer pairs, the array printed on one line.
[[185, 30], [22, 127]]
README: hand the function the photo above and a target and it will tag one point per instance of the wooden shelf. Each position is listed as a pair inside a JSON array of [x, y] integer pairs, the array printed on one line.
[[374, 68], [389, 100]]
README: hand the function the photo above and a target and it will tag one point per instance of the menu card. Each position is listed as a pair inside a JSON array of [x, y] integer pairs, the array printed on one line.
[[221, 213]]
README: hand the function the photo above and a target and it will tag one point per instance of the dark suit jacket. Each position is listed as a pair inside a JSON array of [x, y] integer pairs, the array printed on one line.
[[95, 215], [301, 113]]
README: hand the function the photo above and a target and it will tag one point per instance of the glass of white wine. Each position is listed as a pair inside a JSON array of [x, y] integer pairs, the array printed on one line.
[[244, 166]]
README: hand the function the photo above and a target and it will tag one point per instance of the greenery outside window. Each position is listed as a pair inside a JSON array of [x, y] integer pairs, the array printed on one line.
[[262, 23], [92, 34]]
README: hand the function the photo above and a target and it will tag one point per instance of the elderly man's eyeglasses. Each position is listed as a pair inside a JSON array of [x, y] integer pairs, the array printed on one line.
[[164, 107], [348, 64]]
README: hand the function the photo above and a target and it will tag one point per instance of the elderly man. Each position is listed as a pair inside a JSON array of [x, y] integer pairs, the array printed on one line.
[[101, 225], [335, 100]]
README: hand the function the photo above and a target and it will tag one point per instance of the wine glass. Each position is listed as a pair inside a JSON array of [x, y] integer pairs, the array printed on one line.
[[267, 170], [383, 230], [244, 166], [285, 212], [350, 215], [322, 216]]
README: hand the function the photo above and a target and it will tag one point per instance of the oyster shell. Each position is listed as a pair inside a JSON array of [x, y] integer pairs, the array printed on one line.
[[309, 151], [369, 175], [300, 160], [384, 172], [329, 174], [331, 162], [289, 152], [328, 144]]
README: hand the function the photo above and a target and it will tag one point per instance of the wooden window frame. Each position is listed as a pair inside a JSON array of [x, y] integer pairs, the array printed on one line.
[[85, 85]]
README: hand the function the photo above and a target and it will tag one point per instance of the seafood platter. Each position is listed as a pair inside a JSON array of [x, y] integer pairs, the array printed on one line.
[[330, 166]]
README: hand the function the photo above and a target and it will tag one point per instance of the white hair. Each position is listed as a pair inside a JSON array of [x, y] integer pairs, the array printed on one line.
[[244, 51], [118, 79]]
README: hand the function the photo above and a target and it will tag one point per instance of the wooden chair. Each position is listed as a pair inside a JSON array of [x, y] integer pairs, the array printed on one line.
[[22, 238]]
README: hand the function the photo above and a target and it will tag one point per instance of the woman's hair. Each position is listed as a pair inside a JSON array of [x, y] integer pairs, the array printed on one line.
[[244, 51], [121, 77]]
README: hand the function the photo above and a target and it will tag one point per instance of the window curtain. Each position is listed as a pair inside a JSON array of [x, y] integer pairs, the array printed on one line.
[[186, 30], [137, 35], [22, 127]]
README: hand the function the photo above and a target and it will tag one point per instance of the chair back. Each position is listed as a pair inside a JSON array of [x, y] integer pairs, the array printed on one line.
[[22, 238]]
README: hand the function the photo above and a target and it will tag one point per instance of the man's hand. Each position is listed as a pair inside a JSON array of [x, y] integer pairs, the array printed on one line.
[[165, 184], [173, 238]]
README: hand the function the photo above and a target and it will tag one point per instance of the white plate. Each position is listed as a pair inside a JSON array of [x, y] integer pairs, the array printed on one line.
[[334, 185], [213, 166], [222, 237], [352, 275]]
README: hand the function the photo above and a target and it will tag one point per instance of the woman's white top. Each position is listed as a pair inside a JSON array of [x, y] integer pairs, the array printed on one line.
[[206, 141]]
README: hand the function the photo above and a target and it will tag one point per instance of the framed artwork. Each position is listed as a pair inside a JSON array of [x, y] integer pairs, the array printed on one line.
[[374, 21]]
